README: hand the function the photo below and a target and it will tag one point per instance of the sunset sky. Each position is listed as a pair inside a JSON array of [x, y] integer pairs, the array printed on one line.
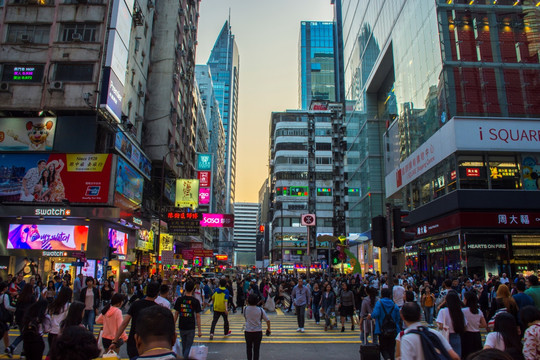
[[267, 34]]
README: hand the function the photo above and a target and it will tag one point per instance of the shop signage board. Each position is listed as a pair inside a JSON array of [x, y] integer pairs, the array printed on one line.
[[129, 182], [133, 154], [78, 178], [27, 134], [145, 240], [183, 223], [187, 193], [187, 254], [204, 161], [217, 220]]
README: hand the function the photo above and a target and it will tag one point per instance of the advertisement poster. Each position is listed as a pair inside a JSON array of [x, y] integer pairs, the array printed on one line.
[[118, 240], [217, 220], [204, 196], [187, 193], [62, 267], [89, 268], [145, 240], [52, 178], [204, 162], [204, 178], [165, 242], [531, 171], [129, 182], [47, 237], [124, 145], [27, 134]]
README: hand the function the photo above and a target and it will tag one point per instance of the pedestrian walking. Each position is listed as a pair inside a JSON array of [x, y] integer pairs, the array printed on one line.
[[328, 303], [90, 298], [35, 325], [220, 299], [316, 303], [346, 305], [451, 318], [368, 304], [25, 300], [300, 298], [428, 303], [471, 341], [254, 316], [387, 319], [75, 343], [530, 317], [57, 312], [505, 336], [111, 318], [188, 310]]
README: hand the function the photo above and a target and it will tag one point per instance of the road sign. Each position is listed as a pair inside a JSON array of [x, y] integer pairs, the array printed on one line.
[[308, 220]]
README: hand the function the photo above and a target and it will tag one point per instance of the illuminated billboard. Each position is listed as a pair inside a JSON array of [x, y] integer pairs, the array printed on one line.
[[204, 196], [47, 237], [118, 240], [53, 178], [217, 220], [27, 134], [187, 193], [129, 182]]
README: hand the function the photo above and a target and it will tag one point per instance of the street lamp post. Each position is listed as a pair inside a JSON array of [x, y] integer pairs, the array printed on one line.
[[160, 209]]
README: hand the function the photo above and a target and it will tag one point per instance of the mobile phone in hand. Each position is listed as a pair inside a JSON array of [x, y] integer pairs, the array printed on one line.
[[267, 332]]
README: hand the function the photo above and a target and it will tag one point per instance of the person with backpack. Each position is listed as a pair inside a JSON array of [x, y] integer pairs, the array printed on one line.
[[419, 342], [386, 315], [220, 298], [35, 324], [254, 316]]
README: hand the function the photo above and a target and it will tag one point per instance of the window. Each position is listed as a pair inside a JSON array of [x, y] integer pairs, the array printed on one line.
[[472, 172], [324, 192], [79, 32], [503, 172], [74, 72], [35, 34]]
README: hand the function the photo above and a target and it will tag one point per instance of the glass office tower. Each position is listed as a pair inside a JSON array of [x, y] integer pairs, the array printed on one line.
[[224, 65], [419, 69], [316, 63]]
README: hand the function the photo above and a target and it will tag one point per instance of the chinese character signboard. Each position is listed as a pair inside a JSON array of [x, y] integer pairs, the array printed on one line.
[[183, 223], [204, 161], [217, 220], [187, 193], [165, 242], [204, 178], [47, 237], [52, 178], [27, 134]]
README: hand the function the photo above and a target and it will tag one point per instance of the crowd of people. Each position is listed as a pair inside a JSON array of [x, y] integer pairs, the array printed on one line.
[[405, 317]]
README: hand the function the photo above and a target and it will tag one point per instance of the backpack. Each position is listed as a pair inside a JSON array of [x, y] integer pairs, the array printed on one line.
[[31, 331], [5, 315], [432, 346], [389, 327]]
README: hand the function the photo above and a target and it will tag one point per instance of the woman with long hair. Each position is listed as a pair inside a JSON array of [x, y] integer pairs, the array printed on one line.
[[57, 312], [49, 292], [111, 318], [35, 325], [74, 316], [530, 318], [254, 316], [76, 343], [328, 303], [504, 302], [106, 292], [452, 318], [471, 341], [25, 299], [346, 305], [505, 336]]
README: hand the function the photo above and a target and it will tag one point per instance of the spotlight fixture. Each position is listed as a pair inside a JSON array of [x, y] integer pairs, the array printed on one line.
[[19, 218], [64, 218], [41, 218], [87, 219]]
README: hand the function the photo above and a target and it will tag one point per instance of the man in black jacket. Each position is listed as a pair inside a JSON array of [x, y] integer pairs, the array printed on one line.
[[91, 300]]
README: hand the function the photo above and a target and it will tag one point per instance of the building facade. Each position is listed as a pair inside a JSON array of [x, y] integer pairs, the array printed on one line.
[[316, 63], [224, 63], [245, 232], [466, 72]]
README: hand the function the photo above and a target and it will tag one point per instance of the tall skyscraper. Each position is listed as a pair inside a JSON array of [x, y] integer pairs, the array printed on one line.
[[316, 63], [441, 103], [224, 63], [245, 232]]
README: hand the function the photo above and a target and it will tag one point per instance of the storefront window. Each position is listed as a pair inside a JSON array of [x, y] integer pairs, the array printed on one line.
[[472, 172], [530, 174], [425, 187], [504, 172], [451, 174], [439, 182], [526, 253]]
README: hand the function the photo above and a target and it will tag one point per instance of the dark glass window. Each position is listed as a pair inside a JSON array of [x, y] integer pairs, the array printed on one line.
[[79, 32], [74, 72]]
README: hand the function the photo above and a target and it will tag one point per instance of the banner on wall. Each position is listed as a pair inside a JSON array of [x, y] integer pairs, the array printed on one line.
[[118, 240], [47, 237], [135, 157], [187, 193], [165, 242], [27, 134], [129, 182], [145, 240], [52, 178]]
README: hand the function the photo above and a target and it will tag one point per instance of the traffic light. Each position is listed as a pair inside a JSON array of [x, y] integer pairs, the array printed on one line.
[[378, 231], [335, 257], [112, 255], [401, 236]]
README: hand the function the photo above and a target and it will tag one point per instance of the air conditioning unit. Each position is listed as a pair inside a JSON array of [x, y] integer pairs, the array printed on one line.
[[56, 86], [4, 86], [141, 94], [76, 37], [180, 11], [26, 38]]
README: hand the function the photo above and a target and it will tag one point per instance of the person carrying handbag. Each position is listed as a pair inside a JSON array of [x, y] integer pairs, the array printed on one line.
[[254, 316]]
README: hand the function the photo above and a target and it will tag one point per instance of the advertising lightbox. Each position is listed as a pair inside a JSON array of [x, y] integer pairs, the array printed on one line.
[[27, 134], [53, 178], [129, 182], [187, 193], [204, 196], [118, 240], [217, 220], [47, 237]]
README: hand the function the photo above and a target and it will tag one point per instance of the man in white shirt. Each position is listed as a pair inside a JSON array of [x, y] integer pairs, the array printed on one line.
[[504, 279], [398, 293], [411, 343], [162, 298]]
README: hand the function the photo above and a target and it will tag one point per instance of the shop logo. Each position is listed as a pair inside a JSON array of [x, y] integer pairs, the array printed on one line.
[[52, 212], [55, 253], [92, 190]]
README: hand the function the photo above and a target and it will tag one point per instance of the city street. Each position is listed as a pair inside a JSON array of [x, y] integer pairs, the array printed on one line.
[[284, 343]]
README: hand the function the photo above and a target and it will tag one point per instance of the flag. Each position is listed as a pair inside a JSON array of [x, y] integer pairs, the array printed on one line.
[[354, 262]]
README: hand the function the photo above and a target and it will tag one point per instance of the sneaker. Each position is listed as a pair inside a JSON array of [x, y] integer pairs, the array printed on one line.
[[302, 330], [9, 351], [229, 333], [316, 322], [299, 329], [325, 328], [343, 329], [211, 336], [352, 327]]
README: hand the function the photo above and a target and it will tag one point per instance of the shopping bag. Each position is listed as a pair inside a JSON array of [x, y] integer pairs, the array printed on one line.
[[310, 313], [445, 331], [111, 355], [198, 352], [177, 348], [333, 320], [356, 319], [100, 343]]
